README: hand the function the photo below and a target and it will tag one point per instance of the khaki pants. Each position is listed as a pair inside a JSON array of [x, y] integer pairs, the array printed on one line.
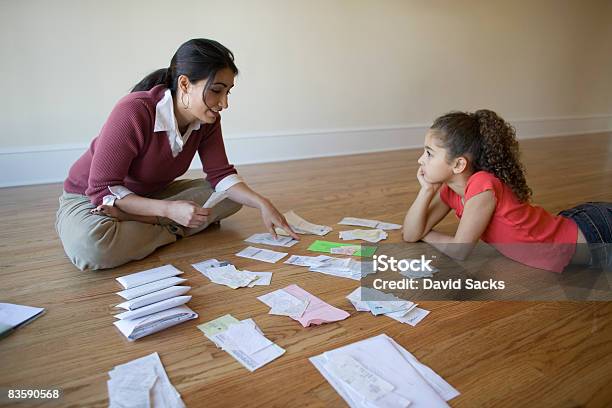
[[100, 242]]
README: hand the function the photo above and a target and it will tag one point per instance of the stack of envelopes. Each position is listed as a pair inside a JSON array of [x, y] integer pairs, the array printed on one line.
[[154, 301]]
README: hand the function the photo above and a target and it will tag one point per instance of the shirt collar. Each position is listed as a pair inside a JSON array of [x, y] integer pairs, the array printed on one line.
[[164, 116], [165, 121]]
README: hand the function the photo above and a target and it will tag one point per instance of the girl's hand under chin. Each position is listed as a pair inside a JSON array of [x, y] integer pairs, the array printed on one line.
[[425, 185]]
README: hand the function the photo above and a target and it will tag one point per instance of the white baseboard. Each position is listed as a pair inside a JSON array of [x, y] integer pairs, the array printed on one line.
[[50, 164]]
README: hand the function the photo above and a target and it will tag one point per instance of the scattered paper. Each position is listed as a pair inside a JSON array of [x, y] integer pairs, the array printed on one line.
[[243, 340], [326, 246], [300, 260], [380, 303], [268, 239], [224, 273], [285, 304], [249, 340], [259, 254], [218, 325], [361, 380], [229, 276], [374, 235], [142, 383], [301, 226], [344, 268], [345, 250], [379, 372], [209, 263], [418, 274], [362, 222], [261, 278], [413, 317], [316, 312]]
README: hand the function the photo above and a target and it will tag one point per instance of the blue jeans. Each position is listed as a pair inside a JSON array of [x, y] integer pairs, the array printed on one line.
[[595, 222]]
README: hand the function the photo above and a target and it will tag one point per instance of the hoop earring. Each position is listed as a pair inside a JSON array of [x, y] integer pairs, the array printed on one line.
[[185, 105]]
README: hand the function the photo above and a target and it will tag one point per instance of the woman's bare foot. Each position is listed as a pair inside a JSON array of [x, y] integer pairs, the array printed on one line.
[[111, 211]]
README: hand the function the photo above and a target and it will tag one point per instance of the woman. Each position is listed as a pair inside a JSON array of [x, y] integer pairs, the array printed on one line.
[[121, 200]]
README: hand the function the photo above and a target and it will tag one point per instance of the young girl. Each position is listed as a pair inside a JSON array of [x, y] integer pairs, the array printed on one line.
[[121, 200], [471, 164]]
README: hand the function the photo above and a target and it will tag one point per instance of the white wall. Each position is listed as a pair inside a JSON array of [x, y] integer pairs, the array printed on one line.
[[317, 77]]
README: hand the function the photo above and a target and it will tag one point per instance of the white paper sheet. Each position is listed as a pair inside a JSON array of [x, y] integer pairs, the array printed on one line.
[[301, 226], [412, 381], [363, 222], [259, 254], [267, 239], [217, 333], [142, 382], [284, 304]]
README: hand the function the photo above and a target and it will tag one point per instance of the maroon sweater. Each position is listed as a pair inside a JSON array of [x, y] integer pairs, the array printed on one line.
[[127, 152]]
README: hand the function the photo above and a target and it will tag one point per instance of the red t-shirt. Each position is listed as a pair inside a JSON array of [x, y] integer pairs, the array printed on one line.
[[521, 231]]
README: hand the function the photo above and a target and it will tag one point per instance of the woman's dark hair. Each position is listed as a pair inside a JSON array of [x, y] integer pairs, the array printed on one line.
[[197, 59], [489, 142]]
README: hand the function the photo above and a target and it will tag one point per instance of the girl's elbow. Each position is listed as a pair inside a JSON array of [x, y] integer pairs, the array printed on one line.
[[410, 238]]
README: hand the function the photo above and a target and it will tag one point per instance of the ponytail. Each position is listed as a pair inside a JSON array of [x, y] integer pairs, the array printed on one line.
[[157, 77], [499, 153], [490, 144]]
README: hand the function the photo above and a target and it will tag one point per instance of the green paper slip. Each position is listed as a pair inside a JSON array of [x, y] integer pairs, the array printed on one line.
[[218, 325], [326, 246]]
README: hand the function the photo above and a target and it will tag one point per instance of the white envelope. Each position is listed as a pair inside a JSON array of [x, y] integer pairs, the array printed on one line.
[[137, 328], [155, 307], [154, 297], [148, 276], [142, 290]]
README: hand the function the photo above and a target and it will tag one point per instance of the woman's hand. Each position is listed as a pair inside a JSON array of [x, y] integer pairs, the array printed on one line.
[[273, 218], [425, 185], [187, 213]]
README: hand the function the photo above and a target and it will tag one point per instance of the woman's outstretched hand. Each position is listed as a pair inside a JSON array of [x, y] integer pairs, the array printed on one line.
[[273, 218]]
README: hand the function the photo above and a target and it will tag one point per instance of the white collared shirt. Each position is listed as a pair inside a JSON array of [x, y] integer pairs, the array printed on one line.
[[165, 121]]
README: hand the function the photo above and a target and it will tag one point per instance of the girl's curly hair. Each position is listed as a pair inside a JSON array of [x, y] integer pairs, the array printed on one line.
[[489, 142]]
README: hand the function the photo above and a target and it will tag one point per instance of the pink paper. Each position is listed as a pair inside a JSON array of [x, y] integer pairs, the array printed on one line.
[[317, 312]]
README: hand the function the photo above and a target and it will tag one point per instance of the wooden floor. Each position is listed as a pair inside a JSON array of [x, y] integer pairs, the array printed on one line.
[[510, 354]]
